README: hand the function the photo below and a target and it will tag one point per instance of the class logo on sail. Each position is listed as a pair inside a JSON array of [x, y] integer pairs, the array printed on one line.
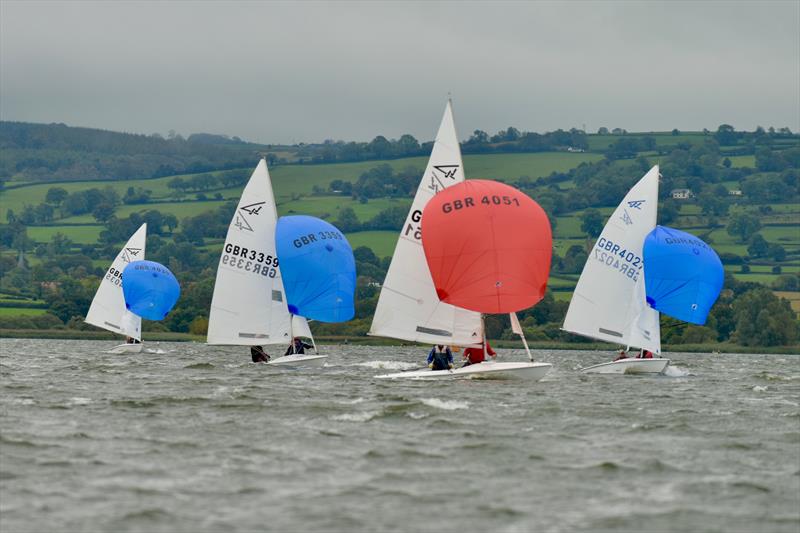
[[441, 172], [633, 204], [241, 221], [130, 254]]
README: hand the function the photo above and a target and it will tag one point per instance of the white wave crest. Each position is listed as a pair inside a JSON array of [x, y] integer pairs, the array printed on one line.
[[759, 388], [363, 416], [79, 401], [447, 405], [355, 401], [22, 401], [159, 350], [389, 365], [675, 372]]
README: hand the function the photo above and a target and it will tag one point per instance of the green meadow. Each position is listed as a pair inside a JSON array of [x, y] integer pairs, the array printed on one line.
[[381, 242]]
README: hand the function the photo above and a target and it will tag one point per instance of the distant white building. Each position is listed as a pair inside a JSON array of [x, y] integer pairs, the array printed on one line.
[[734, 192], [681, 194], [576, 150]]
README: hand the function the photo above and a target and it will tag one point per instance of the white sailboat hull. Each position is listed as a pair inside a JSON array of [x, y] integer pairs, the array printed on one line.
[[299, 361], [629, 366], [485, 370], [127, 348]]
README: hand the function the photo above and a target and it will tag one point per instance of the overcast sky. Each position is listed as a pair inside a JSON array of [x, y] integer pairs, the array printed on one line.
[[308, 71]]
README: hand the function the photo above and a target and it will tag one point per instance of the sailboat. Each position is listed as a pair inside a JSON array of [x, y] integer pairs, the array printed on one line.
[[609, 302], [108, 309], [408, 306], [249, 306]]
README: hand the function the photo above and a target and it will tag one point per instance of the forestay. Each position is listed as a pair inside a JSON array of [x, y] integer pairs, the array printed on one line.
[[609, 301], [408, 307], [248, 306], [108, 307]]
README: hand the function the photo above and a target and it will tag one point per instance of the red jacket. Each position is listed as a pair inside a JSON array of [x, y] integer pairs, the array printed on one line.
[[477, 355]]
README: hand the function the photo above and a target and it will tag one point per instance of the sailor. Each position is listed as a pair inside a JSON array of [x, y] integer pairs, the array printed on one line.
[[647, 354], [622, 355], [478, 355], [297, 347], [440, 358], [258, 354], [131, 340]]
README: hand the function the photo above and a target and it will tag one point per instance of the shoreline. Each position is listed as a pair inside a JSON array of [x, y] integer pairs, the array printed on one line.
[[67, 334]]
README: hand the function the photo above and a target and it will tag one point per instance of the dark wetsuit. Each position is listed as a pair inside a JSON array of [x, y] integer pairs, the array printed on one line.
[[297, 348], [258, 354]]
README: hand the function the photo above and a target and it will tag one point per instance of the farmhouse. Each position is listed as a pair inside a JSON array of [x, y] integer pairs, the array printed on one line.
[[681, 194]]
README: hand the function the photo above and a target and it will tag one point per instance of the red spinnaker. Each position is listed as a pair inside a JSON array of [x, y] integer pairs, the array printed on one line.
[[488, 247]]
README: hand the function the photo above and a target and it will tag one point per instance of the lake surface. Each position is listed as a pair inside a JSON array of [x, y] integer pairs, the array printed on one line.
[[188, 437]]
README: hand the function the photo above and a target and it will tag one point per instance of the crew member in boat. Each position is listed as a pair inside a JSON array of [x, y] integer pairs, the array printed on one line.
[[131, 340], [478, 355], [297, 347], [258, 354], [622, 355], [645, 354], [440, 358]]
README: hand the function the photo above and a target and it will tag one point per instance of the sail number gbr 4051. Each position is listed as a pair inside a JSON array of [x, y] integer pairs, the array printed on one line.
[[250, 260], [618, 258], [412, 228]]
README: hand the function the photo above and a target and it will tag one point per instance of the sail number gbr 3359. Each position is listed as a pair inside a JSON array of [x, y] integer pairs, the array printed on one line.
[[250, 260]]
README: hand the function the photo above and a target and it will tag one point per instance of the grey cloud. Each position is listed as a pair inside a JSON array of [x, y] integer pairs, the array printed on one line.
[[307, 71]]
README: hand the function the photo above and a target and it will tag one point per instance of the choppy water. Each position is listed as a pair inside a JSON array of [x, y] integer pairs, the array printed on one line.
[[196, 438]]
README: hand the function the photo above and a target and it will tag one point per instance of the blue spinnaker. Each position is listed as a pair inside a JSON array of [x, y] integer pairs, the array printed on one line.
[[150, 289], [317, 267], [683, 275]]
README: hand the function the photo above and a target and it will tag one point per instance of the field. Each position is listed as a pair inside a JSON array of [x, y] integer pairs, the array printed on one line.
[[21, 311], [381, 242], [328, 207], [79, 234], [663, 139]]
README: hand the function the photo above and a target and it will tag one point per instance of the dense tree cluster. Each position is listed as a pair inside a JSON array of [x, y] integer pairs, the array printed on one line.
[[56, 152]]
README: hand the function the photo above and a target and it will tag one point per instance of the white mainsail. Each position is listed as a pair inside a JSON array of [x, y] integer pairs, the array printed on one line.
[[108, 306], [408, 307], [249, 305], [609, 301]]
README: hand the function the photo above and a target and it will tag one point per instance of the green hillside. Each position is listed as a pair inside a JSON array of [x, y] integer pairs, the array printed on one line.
[[744, 202]]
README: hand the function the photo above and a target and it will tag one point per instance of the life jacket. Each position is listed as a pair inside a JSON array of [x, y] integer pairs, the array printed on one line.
[[441, 360]]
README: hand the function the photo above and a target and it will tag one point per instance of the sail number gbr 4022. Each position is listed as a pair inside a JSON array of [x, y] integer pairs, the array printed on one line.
[[250, 260]]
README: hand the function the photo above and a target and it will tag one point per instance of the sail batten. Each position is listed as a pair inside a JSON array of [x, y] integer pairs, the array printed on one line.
[[608, 303]]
